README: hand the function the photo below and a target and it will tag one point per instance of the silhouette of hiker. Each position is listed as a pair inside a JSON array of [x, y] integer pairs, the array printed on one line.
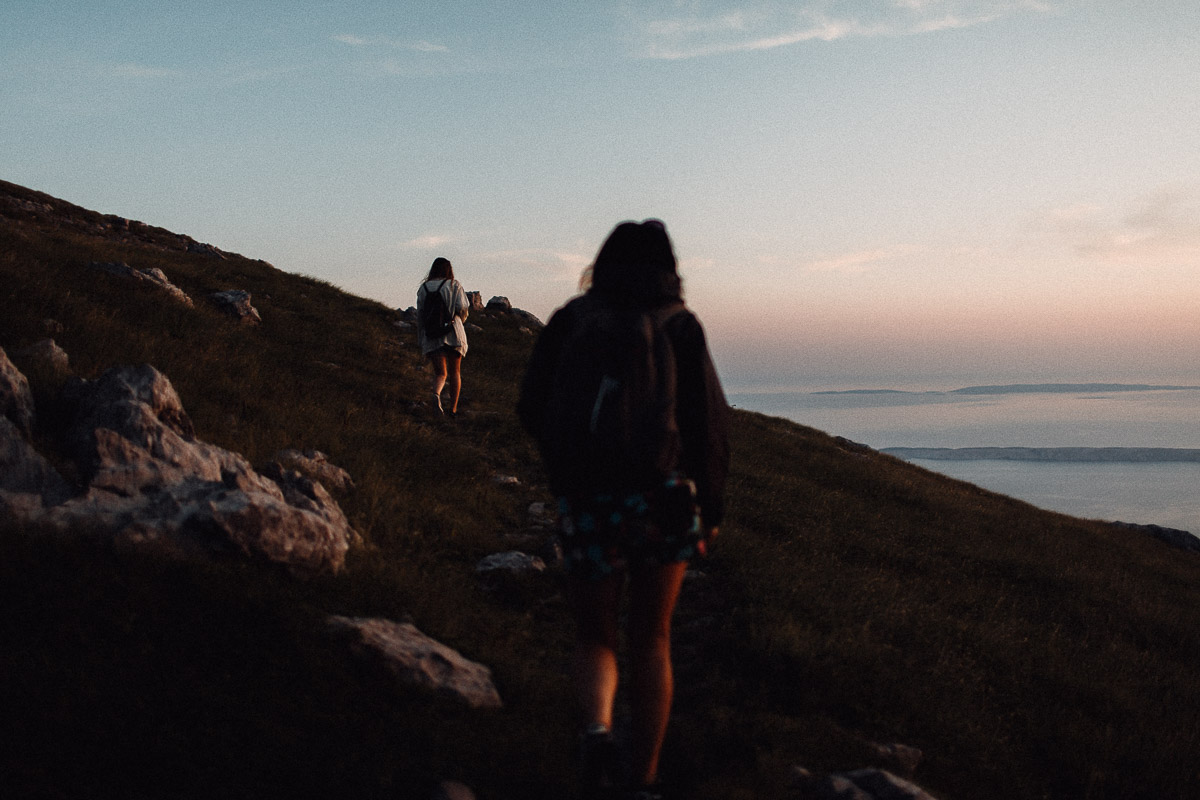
[[632, 424], [441, 310]]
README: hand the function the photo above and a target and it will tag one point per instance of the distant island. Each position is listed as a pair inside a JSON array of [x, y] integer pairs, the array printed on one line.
[[1099, 455], [1028, 388]]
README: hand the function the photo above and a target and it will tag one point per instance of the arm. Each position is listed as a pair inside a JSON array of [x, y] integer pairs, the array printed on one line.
[[460, 306], [703, 417]]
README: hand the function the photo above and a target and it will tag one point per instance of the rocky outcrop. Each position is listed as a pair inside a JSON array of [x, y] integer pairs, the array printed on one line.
[[499, 304], [417, 660], [1184, 540], [475, 301], [205, 249], [46, 355], [148, 479], [236, 303], [152, 276], [16, 398]]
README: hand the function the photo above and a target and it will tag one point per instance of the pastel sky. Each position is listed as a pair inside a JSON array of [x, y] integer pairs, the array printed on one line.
[[861, 192]]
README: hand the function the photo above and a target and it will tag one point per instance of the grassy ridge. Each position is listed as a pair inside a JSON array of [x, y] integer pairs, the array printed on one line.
[[853, 598]]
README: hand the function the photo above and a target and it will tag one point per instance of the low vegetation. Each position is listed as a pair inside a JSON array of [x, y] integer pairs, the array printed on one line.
[[852, 599]]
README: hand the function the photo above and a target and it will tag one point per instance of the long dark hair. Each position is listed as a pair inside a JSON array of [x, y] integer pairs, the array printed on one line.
[[636, 264], [441, 269]]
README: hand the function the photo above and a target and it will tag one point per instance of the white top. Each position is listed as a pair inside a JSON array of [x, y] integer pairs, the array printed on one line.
[[456, 300]]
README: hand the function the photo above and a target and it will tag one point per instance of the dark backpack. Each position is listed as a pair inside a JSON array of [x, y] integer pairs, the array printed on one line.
[[436, 319], [610, 421]]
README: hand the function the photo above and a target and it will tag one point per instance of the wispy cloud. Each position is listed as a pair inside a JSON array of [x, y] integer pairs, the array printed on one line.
[[859, 261], [429, 241], [677, 30], [136, 71], [387, 42], [1160, 227], [557, 265]]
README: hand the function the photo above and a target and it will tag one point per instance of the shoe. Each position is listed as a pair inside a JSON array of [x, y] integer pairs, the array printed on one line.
[[597, 762], [452, 414], [437, 402]]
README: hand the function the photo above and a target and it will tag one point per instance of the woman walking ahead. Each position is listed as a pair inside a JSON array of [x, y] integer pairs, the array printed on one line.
[[624, 401], [441, 311]]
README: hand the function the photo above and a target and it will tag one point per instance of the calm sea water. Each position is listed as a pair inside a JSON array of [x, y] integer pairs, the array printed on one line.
[[1161, 494]]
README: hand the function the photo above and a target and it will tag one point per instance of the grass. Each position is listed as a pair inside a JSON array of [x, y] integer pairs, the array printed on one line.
[[852, 599]]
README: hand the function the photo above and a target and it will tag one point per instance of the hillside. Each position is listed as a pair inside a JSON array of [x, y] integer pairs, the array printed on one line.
[[853, 599]]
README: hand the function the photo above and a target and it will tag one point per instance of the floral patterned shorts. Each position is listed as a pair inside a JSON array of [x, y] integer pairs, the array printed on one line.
[[609, 532]]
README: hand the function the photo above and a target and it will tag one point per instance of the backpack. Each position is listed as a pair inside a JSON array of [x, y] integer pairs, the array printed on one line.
[[610, 420], [436, 320]]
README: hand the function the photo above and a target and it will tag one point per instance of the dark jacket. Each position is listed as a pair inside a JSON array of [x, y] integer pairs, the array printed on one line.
[[701, 411]]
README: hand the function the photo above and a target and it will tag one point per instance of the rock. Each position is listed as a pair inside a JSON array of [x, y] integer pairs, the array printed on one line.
[[860, 784], [452, 790], [408, 315], [16, 398], [236, 303], [529, 319], [150, 480], [472, 327], [205, 250], [506, 480], [499, 304], [514, 561], [474, 301], [152, 276], [46, 355], [52, 327], [418, 660], [315, 464], [901, 756], [23, 471]]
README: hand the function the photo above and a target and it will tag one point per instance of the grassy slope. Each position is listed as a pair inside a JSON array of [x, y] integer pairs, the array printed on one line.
[[853, 598]]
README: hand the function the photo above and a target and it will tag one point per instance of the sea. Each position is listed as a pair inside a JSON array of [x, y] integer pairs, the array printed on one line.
[[1141, 416]]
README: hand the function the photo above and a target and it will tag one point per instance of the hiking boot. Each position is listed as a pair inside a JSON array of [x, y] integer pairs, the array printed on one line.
[[597, 763]]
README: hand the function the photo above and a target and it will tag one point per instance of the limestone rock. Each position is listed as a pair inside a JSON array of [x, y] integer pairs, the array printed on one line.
[[315, 464], [452, 790], [205, 249], [236, 303], [152, 276], [16, 398], [859, 784], [24, 471], [416, 659], [514, 561], [150, 480]]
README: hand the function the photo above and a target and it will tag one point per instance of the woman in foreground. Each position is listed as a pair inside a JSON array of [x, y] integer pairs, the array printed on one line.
[[632, 423]]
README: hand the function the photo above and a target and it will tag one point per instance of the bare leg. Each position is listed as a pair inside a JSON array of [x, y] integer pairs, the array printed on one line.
[[653, 593], [453, 362], [596, 604], [437, 364]]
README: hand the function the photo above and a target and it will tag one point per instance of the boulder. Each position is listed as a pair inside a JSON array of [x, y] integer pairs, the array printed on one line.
[[859, 784], [417, 660], [16, 398], [315, 465], [529, 319], [514, 561], [47, 356], [236, 303], [499, 304], [23, 471], [149, 479], [205, 249], [152, 276], [474, 301]]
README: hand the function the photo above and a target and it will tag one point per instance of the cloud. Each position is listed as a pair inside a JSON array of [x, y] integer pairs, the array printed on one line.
[[559, 265], [429, 241], [858, 262], [674, 30], [130, 70], [419, 46], [1163, 226]]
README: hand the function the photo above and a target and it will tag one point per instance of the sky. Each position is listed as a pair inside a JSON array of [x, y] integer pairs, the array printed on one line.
[[860, 192]]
